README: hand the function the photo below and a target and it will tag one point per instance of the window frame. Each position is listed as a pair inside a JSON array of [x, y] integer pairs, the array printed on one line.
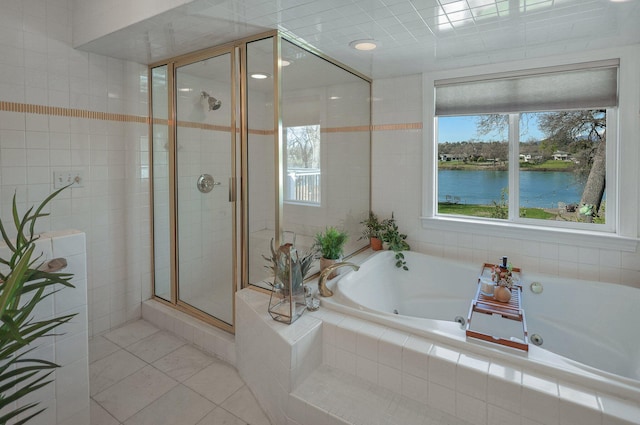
[[513, 142], [623, 233]]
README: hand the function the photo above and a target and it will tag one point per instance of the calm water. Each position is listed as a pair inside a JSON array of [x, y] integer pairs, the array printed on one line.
[[538, 189]]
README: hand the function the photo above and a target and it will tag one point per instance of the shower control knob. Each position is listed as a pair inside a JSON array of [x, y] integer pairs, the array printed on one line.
[[206, 183]]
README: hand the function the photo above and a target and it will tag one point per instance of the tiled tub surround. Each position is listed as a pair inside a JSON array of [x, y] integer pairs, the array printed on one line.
[[573, 317], [334, 368], [66, 398]]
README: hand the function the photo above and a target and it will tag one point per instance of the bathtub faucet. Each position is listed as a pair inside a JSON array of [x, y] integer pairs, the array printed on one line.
[[322, 281]]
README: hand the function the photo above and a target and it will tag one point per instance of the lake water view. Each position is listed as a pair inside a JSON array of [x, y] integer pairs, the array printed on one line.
[[538, 189]]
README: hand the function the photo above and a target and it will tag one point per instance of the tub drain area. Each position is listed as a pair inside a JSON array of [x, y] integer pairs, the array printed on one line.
[[536, 339]]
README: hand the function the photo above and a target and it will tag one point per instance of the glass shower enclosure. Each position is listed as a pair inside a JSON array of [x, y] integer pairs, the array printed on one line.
[[250, 141], [193, 184]]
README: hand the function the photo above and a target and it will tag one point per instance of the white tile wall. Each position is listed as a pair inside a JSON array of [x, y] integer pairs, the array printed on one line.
[[112, 207]]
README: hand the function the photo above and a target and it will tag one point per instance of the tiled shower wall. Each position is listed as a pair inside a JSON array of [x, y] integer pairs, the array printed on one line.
[[63, 109], [397, 187]]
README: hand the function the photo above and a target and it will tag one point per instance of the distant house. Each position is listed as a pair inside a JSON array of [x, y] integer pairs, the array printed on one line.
[[452, 157], [525, 158], [560, 156]]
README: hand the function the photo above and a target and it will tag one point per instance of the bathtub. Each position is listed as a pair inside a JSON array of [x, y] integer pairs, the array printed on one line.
[[590, 330]]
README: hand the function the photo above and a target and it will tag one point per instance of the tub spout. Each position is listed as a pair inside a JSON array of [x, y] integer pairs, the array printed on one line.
[[322, 281]]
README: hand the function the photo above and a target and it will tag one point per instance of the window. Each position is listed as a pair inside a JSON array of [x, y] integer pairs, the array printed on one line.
[[302, 181], [529, 147]]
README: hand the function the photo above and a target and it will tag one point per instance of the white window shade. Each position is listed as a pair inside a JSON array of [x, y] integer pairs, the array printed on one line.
[[592, 85]]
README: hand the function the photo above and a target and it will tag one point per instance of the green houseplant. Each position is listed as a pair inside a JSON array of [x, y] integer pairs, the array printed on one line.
[[330, 243], [372, 229], [22, 287], [395, 240]]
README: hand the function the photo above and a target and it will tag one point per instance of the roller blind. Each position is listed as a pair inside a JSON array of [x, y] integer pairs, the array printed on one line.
[[583, 86]]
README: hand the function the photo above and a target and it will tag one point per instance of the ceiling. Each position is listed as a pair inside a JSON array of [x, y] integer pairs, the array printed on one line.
[[413, 36]]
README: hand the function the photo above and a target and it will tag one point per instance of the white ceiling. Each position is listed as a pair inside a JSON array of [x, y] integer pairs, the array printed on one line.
[[414, 35]]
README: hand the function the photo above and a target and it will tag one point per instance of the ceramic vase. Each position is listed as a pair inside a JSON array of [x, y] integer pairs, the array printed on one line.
[[502, 294]]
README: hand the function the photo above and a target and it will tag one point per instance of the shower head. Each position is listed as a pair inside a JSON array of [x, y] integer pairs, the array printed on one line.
[[214, 104]]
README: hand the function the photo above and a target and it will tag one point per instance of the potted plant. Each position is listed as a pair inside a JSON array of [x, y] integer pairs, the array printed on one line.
[[306, 259], [395, 240], [372, 229], [23, 285], [330, 243]]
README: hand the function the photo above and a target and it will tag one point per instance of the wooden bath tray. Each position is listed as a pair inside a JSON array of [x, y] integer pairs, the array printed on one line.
[[511, 311]]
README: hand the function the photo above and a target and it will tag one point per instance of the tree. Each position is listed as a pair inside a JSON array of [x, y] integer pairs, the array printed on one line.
[[587, 128], [303, 143]]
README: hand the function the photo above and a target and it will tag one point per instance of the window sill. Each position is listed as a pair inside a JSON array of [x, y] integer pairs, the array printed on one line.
[[534, 233]]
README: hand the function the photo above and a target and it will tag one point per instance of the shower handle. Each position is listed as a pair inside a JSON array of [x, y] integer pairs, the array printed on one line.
[[232, 189]]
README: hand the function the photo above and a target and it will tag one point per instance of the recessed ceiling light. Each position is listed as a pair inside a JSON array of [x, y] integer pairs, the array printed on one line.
[[260, 75], [185, 89], [284, 62], [363, 44]]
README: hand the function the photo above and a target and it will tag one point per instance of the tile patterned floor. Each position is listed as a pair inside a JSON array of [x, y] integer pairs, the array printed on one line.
[[140, 375]]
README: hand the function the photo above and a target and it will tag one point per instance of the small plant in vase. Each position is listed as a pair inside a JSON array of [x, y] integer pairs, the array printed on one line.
[[395, 240], [306, 260], [372, 229], [330, 243]]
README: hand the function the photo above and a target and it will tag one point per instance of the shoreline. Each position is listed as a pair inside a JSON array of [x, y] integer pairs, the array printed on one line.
[[501, 168]]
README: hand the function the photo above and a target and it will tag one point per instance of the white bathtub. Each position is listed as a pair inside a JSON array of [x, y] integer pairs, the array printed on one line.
[[590, 330]]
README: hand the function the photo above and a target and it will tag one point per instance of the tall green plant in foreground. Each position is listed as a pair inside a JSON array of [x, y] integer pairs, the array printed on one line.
[[22, 287]]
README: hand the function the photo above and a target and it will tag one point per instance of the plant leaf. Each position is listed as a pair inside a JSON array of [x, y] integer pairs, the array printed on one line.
[[12, 286]]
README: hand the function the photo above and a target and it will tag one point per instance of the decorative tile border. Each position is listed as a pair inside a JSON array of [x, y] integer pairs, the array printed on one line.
[[391, 127], [204, 126], [69, 112], [109, 116]]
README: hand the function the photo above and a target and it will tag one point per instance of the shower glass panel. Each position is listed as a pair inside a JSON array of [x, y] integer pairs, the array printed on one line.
[[161, 226], [261, 172], [326, 150], [204, 158], [308, 150]]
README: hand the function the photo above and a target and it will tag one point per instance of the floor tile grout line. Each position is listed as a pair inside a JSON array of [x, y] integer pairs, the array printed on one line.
[[118, 381], [214, 359], [177, 383], [234, 415], [231, 395], [135, 355], [104, 335], [103, 408]]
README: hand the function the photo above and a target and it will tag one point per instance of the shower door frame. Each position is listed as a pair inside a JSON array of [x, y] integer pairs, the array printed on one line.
[[172, 65]]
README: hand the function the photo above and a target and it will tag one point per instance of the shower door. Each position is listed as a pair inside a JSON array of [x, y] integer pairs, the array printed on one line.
[[205, 196]]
